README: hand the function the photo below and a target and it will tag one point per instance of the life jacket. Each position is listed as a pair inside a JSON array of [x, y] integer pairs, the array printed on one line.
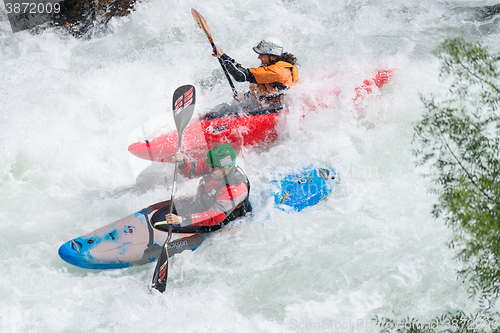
[[272, 80], [206, 198]]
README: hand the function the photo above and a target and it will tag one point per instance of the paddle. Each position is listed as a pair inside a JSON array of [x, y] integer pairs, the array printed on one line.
[[183, 103], [200, 21]]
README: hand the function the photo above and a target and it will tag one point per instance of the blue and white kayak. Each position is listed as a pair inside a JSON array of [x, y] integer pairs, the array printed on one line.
[[133, 240], [127, 242]]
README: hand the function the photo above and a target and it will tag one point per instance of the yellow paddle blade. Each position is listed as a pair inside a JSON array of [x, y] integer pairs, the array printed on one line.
[[200, 21]]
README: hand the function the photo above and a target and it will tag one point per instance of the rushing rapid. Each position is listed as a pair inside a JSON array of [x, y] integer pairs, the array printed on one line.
[[70, 107]]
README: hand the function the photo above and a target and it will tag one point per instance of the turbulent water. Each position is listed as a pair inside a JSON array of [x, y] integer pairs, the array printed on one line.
[[69, 107]]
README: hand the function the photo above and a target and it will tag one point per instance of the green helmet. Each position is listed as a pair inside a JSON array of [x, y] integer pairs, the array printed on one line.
[[221, 156]]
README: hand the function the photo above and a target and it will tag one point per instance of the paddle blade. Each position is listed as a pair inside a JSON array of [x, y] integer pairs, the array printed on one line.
[[183, 104], [160, 275], [200, 21]]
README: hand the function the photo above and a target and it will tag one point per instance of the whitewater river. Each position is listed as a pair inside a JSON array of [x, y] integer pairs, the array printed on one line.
[[68, 110]]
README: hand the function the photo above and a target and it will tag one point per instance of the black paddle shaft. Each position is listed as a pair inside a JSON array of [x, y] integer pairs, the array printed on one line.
[[202, 24], [235, 93], [183, 103]]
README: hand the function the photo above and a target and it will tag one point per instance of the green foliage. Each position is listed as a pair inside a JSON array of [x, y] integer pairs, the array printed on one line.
[[459, 139]]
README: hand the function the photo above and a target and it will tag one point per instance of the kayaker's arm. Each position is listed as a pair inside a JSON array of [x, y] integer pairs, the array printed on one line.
[[207, 218], [193, 169], [238, 72]]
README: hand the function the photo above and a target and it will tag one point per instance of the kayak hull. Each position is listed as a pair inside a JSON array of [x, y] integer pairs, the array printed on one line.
[[133, 240], [240, 129], [127, 242]]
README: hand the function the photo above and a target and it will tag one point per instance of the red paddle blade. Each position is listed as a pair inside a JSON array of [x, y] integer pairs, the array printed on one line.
[[200, 21], [160, 275]]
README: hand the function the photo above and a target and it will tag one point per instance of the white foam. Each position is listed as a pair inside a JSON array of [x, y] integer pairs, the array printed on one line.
[[68, 108]]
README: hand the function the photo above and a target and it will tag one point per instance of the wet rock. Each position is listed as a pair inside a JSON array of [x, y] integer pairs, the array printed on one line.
[[81, 16]]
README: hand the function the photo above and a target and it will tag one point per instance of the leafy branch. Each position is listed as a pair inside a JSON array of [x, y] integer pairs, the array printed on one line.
[[459, 137]]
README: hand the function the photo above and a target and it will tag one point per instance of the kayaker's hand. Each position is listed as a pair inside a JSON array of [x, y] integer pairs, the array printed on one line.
[[218, 52], [239, 96], [173, 219], [178, 157]]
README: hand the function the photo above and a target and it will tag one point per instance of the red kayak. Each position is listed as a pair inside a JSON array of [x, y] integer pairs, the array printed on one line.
[[242, 129]]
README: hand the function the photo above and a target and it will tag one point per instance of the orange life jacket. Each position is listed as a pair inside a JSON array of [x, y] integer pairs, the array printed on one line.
[[272, 79]]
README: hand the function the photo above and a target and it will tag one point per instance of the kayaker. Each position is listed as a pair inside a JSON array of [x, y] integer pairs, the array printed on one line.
[[222, 194], [268, 81]]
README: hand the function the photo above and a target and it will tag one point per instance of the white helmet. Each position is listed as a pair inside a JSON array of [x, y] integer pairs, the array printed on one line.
[[270, 46]]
